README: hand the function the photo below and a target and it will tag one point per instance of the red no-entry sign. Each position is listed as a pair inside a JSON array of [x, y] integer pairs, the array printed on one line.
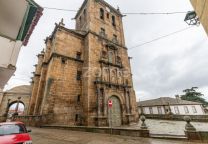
[[110, 103]]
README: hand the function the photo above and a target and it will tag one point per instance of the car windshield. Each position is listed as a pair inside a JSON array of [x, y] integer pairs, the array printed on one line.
[[10, 129]]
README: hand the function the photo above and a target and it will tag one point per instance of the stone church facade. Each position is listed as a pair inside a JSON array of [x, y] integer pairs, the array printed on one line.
[[82, 69]]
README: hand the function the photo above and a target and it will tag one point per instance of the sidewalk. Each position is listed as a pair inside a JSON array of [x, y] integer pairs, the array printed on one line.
[[55, 136]]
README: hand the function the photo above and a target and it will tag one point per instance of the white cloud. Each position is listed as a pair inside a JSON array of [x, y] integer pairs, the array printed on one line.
[[162, 68]]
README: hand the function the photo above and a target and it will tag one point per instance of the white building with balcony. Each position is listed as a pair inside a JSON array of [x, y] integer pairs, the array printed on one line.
[[18, 19]]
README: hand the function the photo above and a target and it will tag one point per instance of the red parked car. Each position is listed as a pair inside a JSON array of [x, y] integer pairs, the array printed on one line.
[[14, 133]]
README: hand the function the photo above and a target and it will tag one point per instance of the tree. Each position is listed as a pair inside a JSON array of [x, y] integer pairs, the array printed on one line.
[[193, 95]]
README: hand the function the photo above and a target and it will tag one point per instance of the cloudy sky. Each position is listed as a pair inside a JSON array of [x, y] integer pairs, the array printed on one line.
[[162, 68]]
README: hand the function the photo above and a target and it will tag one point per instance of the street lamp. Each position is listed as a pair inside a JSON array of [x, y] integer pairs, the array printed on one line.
[[192, 18]]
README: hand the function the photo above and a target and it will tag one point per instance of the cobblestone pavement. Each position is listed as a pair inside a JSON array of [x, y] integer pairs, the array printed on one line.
[[54, 136], [171, 127]]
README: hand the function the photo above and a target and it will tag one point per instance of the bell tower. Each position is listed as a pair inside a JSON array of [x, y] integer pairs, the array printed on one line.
[[106, 64], [100, 17]]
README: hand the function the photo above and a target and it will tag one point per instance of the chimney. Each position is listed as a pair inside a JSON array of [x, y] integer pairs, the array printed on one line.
[[177, 98]]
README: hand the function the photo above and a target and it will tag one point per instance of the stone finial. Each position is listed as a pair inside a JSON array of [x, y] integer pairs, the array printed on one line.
[[143, 125], [43, 51], [62, 22], [118, 9], [189, 126], [177, 98]]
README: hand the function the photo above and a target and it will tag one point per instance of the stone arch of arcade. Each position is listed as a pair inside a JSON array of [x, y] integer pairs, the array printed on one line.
[[17, 106], [17, 97]]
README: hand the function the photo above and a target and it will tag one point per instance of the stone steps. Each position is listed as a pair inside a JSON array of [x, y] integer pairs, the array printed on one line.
[[168, 136], [104, 130]]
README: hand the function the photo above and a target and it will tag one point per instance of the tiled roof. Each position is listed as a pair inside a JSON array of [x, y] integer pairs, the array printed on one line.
[[166, 101], [20, 89]]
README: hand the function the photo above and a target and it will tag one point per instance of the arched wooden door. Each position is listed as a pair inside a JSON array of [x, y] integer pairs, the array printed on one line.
[[115, 112]]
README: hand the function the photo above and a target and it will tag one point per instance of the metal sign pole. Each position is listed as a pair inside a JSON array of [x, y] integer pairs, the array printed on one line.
[[109, 117], [111, 120], [110, 104]]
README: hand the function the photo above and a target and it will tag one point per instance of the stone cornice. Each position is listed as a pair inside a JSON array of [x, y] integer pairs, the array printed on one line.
[[109, 41], [63, 56], [110, 64], [112, 84]]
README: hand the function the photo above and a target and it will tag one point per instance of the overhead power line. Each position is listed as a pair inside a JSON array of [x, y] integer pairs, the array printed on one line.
[[127, 13], [60, 9], [162, 37], [155, 13]]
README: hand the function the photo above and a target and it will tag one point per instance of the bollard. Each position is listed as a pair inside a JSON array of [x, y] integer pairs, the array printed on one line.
[[189, 126], [190, 130], [143, 125]]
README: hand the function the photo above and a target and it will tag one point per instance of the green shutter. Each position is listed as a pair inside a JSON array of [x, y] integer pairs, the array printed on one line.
[[28, 18]]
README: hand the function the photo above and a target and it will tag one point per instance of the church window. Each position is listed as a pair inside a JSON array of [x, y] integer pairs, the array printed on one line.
[[76, 117], [78, 98], [78, 56], [113, 21], [101, 14], [63, 60], [79, 75], [108, 15]]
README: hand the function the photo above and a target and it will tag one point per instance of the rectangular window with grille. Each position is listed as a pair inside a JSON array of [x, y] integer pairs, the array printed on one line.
[[176, 110], [159, 110], [194, 109], [186, 109], [150, 110]]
